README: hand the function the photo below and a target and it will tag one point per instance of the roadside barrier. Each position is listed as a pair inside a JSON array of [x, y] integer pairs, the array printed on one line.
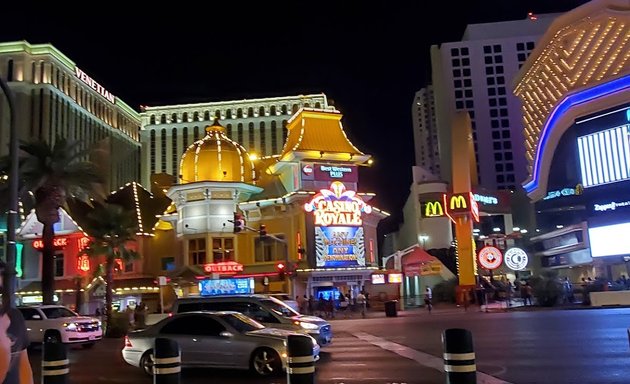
[[167, 362], [301, 365], [459, 356], [55, 363]]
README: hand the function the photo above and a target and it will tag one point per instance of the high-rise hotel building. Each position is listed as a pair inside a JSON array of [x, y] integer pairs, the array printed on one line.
[[55, 98], [259, 125], [474, 75]]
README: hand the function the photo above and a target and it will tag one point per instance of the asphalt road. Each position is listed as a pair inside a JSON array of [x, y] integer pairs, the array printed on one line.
[[547, 346]]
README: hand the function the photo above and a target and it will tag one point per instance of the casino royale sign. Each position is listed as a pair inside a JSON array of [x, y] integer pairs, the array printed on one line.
[[337, 207]]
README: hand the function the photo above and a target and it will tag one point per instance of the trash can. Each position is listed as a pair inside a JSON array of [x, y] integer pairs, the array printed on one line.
[[390, 308]]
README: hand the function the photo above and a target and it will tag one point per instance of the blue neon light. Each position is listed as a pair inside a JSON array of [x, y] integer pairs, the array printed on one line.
[[565, 105]]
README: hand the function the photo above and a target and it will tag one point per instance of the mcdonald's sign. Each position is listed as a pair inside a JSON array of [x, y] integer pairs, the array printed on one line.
[[432, 209], [458, 204]]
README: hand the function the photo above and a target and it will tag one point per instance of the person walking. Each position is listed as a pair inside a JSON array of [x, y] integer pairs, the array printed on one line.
[[428, 299], [361, 302]]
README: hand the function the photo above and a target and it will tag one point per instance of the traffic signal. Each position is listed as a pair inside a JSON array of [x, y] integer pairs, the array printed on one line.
[[282, 269], [239, 222], [262, 230]]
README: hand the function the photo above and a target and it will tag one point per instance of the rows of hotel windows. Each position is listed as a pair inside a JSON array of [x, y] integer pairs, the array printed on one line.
[[499, 117], [222, 250], [429, 154], [462, 82], [229, 113], [47, 73], [53, 115], [262, 146]]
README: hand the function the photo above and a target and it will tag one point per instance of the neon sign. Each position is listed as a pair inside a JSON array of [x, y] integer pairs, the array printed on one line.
[[433, 209], [94, 85], [337, 207], [83, 263], [483, 199], [225, 268], [490, 257], [58, 242], [459, 204]]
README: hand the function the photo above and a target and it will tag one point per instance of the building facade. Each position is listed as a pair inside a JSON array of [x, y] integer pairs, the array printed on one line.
[[55, 98], [259, 125], [575, 92], [425, 133], [474, 75]]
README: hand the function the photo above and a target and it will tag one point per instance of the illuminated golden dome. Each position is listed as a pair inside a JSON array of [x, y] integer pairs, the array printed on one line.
[[216, 158]]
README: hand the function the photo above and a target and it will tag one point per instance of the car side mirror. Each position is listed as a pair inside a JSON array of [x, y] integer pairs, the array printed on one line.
[[36, 317], [226, 334]]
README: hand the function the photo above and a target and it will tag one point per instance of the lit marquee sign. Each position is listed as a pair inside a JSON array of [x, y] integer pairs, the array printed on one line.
[[225, 268], [58, 242], [459, 204], [339, 236], [94, 85], [337, 207], [432, 209]]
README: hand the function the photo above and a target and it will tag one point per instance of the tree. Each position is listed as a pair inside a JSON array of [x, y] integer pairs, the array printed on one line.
[[112, 231], [52, 174]]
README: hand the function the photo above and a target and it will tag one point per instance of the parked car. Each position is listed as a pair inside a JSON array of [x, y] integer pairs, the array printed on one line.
[[216, 340], [58, 323], [265, 309], [287, 300]]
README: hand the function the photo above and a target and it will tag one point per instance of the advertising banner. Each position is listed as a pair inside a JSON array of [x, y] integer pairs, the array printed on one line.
[[214, 287], [337, 247]]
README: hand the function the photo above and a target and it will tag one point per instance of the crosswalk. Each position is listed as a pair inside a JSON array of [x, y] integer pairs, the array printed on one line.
[[352, 360]]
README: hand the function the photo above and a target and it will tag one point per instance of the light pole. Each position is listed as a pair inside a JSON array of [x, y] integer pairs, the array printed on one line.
[[8, 290]]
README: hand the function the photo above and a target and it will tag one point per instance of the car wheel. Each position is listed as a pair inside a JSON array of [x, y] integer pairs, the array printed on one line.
[[146, 362], [87, 345], [266, 362]]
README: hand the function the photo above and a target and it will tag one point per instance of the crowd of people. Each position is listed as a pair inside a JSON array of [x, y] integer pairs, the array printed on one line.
[[327, 307]]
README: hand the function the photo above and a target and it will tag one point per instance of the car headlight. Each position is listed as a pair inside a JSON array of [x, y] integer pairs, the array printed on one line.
[[71, 327], [310, 326]]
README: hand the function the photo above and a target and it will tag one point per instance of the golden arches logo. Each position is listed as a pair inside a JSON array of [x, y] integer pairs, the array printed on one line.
[[433, 209], [458, 202]]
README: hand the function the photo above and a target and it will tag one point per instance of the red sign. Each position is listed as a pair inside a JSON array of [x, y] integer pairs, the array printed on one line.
[[83, 263], [58, 242], [490, 257], [225, 268], [307, 169]]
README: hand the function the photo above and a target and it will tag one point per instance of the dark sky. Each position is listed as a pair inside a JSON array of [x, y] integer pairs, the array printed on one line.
[[369, 59]]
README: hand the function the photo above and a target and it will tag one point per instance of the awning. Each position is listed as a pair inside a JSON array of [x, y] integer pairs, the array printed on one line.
[[35, 287], [186, 275], [417, 256]]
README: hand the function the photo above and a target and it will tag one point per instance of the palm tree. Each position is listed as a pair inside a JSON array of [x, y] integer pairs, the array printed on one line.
[[112, 230], [52, 174]]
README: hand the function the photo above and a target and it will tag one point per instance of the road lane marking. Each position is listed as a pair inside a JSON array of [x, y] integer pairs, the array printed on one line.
[[421, 358]]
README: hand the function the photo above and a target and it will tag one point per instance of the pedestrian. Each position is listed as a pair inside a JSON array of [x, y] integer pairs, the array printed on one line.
[[361, 301], [131, 316], [310, 305], [428, 298], [300, 303], [15, 367], [528, 294]]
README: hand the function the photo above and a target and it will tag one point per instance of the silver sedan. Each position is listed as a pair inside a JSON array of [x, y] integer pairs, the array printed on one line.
[[216, 340]]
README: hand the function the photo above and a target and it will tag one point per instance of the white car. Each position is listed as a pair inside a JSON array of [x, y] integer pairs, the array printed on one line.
[[58, 323], [216, 340]]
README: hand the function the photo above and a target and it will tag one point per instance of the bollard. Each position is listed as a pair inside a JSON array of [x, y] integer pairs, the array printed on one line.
[[167, 362], [459, 356], [55, 363], [301, 366]]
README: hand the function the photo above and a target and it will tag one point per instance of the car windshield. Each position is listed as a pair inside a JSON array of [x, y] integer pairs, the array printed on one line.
[[55, 313], [279, 307], [241, 322]]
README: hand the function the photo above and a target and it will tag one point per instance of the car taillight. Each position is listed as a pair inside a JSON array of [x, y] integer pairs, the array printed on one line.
[[127, 342], [170, 314]]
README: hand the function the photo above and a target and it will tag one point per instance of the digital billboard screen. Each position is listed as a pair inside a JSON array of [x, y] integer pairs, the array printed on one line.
[[610, 240], [212, 287], [337, 247]]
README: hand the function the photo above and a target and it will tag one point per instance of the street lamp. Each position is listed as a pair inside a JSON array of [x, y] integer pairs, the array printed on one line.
[[8, 292], [423, 239]]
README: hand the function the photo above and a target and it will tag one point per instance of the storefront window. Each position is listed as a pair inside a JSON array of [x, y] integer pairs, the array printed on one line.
[[223, 249], [197, 251], [270, 249], [59, 264]]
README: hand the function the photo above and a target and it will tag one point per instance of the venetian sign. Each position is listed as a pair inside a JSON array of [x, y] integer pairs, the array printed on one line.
[[490, 257], [337, 206]]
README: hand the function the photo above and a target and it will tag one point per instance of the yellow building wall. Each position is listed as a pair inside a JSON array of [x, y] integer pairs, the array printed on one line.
[[162, 244]]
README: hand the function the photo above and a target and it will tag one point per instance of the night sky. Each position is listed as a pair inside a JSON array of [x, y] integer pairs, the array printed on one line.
[[368, 59]]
